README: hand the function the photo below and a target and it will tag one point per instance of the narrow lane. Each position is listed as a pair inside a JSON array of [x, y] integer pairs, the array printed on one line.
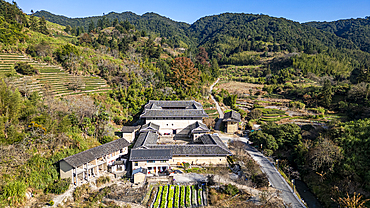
[[219, 110], [275, 178]]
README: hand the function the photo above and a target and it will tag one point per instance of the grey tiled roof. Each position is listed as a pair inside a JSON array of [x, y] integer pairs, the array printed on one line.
[[194, 149], [130, 129], [146, 138], [232, 116], [193, 128], [159, 104], [150, 154], [96, 152], [207, 139], [149, 127], [187, 108], [173, 113]]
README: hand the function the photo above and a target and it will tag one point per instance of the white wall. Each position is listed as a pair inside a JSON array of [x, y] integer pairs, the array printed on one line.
[[166, 126]]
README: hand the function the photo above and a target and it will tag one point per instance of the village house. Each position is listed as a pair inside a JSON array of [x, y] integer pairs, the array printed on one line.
[[92, 162], [231, 121], [129, 132], [174, 134]]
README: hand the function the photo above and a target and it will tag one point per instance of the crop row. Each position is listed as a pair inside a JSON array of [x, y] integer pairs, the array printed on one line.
[[177, 196]]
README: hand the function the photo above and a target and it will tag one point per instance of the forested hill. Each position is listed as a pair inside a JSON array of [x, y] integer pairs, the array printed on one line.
[[234, 32], [225, 33], [356, 30], [149, 22]]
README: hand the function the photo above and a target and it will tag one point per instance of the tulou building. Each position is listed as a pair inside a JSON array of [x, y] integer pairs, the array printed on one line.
[[174, 133]]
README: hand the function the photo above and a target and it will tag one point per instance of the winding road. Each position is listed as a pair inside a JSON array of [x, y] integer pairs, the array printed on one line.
[[219, 110], [275, 178]]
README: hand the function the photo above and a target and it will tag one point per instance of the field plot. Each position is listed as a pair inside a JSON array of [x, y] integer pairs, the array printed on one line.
[[53, 78], [177, 196]]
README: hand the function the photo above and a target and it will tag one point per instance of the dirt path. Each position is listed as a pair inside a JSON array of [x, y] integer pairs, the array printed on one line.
[[219, 110]]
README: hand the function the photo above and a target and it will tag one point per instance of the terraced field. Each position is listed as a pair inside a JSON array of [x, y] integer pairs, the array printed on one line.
[[52, 77]]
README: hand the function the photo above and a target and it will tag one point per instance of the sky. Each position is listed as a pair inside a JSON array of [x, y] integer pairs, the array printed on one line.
[[191, 10]]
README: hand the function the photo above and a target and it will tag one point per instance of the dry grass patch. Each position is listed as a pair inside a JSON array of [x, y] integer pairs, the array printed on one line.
[[239, 87]]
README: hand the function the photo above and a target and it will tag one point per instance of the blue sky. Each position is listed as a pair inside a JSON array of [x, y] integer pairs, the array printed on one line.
[[191, 10]]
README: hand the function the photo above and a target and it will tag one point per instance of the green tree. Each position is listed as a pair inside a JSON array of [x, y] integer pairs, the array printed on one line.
[[42, 26], [91, 27], [327, 92], [33, 23]]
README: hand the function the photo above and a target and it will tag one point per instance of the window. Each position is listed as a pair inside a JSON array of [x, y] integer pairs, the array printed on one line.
[[136, 164], [163, 161], [150, 161]]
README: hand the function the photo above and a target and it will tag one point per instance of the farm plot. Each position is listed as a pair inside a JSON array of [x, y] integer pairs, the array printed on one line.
[[176, 196]]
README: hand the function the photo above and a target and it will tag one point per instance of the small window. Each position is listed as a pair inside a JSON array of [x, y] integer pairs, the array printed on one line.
[[167, 124], [220, 159], [163, 161], [172, 124], [150, 161], [136, 164]]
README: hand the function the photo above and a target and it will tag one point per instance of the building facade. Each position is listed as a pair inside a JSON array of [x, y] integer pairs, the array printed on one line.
[[91, 163]]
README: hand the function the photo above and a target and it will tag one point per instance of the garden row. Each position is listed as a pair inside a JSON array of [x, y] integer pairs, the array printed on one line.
[[176, 196]]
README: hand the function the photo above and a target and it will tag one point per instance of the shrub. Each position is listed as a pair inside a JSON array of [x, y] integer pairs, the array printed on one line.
[[59, 186], [231, 189], [51, 203], [25, 68], [102, 180], [185, 165], [80, 191], [105, 139], [14, 192]]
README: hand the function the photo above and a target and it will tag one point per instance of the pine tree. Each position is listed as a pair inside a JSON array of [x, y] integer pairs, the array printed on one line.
[[91, 27], [327, 93], [42, 26], [33, 23]]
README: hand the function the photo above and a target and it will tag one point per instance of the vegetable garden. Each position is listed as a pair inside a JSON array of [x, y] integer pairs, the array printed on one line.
[[177, 196]]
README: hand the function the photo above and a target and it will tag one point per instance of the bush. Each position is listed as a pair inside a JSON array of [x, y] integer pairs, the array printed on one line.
[[102, 180], [59, 186], [185, 165], [105, 139], [25, 68], [231, 189], [80, 191], [14, 192], [51, 203]]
